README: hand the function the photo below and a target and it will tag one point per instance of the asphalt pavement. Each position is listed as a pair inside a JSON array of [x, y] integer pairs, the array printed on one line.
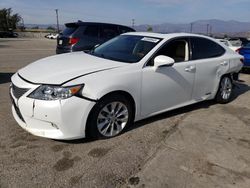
[[202, 145]]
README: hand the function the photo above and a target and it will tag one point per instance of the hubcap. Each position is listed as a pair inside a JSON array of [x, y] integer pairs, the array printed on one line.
[[226, 88], [112, 119]]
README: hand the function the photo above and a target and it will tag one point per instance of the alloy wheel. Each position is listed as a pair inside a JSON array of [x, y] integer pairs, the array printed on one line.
[[112, 119], [226, 88]]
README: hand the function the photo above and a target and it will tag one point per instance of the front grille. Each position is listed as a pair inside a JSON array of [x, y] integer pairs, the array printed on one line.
[[18, 92]]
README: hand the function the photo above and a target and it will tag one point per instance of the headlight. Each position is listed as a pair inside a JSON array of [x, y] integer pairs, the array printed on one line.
[[49, 92]]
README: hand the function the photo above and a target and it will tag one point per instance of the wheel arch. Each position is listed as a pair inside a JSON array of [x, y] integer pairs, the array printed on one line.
[[116, 92]]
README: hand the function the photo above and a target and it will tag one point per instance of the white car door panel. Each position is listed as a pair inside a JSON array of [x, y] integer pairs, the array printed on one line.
[[166, 87], [208, 73]]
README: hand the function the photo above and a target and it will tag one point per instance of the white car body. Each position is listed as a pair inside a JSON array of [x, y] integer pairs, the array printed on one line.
[[154, 90]]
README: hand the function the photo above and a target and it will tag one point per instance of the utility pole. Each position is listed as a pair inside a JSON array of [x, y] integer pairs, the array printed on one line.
[[191, 27], [57, 22], [133, 23], [22, 28], [211, 30], [207, 29]]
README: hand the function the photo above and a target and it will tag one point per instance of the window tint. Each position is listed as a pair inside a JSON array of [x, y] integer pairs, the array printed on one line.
[[109, 31], [92, 31], [69, 30], [204, 48]]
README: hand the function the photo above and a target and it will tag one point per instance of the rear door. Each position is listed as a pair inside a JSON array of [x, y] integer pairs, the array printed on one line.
[[211, 64]]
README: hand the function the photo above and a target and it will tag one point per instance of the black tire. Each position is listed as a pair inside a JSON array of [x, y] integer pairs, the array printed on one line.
[[224, 95], [92, 130]]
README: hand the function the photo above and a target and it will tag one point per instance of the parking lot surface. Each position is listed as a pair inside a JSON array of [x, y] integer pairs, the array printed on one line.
[[202, 145]]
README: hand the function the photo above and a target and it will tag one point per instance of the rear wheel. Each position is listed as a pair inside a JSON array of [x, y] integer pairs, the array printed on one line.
[[109, 117], [225, 90]]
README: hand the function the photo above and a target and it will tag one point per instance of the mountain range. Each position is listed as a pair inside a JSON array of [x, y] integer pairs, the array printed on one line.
[[211, 26], [200, 26]]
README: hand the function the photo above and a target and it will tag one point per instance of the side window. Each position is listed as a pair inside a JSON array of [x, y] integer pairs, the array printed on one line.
[[109, 31], [177, 49], [92, 31], [204, 48]]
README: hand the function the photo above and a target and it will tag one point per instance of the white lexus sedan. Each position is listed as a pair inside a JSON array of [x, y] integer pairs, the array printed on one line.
[[129, 78]]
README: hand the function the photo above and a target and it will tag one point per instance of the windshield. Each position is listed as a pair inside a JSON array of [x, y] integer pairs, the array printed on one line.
[[126, 48]]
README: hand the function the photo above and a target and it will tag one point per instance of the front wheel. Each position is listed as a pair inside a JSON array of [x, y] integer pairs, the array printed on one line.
[[225, 90], [109, 117]]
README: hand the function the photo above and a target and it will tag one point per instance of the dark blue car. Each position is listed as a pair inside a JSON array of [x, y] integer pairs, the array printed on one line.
[[245, 51]]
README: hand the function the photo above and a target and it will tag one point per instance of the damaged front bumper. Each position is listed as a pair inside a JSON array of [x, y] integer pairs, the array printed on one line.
[[57, 119]]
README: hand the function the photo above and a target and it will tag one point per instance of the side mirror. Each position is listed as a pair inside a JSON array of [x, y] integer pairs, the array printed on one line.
[[163, 60]]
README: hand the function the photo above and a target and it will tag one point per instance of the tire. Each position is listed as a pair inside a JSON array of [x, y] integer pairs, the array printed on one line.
[[109, 117], [225, 90]]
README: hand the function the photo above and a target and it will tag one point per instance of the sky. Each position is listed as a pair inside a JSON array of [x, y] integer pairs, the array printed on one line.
[[123, 11]]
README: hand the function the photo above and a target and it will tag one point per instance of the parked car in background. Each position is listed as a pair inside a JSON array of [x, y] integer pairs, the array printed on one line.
[[8, 34], [232, 44], [83, 36], [245, 51], [126, 79], [51, 36], [243, 40]]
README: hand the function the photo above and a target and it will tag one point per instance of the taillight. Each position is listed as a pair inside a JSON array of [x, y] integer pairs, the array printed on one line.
[[238, 50], [73, 40]]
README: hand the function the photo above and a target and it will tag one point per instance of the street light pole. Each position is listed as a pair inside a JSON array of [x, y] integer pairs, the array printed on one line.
[[191, 27], [133, 23], [207, 29], [57, 21]]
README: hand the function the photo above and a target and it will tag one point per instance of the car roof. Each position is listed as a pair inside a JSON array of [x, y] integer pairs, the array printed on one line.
[[80, 23], [166, 36]]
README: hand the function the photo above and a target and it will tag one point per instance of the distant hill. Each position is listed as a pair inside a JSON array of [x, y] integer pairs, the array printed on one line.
[[43, 26], [200, 26], [219, 27]]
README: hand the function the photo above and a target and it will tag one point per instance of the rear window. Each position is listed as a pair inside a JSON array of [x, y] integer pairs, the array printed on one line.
[[204, 48], [109, 31], [125, 29], [69, 30], [92, 31]]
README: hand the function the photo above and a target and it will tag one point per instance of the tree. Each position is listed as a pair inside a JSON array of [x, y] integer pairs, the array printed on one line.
[[35, 27], [150, 29], [51, 28], [8, 21]]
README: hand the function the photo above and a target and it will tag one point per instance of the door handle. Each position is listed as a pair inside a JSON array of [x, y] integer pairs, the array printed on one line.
[[225, 63], [190, 68]]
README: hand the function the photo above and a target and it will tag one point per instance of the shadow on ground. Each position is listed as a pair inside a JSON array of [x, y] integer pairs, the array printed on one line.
[[5, 77]]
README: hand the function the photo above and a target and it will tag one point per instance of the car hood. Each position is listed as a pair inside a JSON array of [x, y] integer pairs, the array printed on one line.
[[59, 69]]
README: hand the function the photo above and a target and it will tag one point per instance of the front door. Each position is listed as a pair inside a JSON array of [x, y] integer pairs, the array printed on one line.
[[168, 87]]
